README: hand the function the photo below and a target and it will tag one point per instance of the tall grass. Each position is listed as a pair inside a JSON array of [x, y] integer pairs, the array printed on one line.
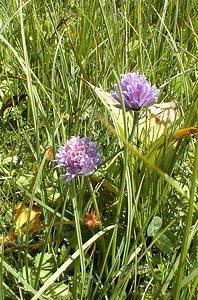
[[54, 56]]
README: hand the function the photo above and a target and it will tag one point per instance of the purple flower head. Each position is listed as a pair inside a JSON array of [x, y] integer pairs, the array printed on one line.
[[79, 156], [136, 92]]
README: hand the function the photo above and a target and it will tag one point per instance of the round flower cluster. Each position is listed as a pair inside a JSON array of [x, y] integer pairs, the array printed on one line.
[[136, 92], [79, 156]]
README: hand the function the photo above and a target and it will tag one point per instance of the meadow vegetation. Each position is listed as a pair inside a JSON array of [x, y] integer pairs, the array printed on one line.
[[129, 230]]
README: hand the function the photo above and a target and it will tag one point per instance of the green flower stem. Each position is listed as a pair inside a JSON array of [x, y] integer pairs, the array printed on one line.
[[184, 249], [135, 121], [78, 231]]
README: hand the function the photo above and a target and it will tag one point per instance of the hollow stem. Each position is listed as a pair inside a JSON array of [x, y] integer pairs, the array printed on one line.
[[135, 121]]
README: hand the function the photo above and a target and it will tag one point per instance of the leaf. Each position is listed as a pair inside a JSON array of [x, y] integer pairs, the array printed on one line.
[[159, 117], [165, 112], [21, 219], [183, 132], [110, 104], [155, 148], [47, 266], [21, 212], [10, 159], [49, 153], [162, 150], [154, 226], [29, 274], [10, 237], [190, 277], [24, 180], [58, 290], [47, 260], [165, 244]]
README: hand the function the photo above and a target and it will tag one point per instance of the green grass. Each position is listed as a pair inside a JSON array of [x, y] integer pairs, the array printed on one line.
[[146, 247]]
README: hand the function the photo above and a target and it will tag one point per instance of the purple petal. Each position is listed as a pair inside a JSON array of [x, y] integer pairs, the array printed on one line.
[[136, 92]]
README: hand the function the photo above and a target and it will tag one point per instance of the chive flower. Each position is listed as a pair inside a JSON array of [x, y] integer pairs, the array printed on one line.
[[79, 156], [136, 91]]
